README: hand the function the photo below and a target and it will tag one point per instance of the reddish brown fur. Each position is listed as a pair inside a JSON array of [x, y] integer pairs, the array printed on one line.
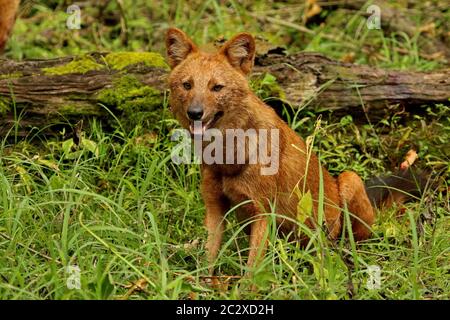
[[8, 10], [224, 186]]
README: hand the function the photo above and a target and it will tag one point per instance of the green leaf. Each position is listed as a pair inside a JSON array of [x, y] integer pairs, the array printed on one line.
[[74, 155], [57, 182], [67, 146], [48, 163], [264, 279], [346, 120], [26, 178], [107, 287], [91, 146], [394, 230], [304, 206], [268, 79]]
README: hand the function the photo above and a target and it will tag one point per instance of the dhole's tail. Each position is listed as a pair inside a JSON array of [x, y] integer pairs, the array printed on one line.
[[396, 188]]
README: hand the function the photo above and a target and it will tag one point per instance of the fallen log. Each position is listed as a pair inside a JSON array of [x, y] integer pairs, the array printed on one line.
[[40, 93]]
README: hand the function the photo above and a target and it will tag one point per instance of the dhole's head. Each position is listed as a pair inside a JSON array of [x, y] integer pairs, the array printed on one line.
[[209, 87]]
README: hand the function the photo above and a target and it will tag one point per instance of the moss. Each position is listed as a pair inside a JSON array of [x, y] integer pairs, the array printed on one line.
[[136, 100], [5, 106], [120, 60], [67, 109], [13, 75], [80, 64], [342, 72], [267, 87], [78, 109], [115, 60]]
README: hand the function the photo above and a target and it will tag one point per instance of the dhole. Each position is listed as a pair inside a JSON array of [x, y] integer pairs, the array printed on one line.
[[213, 88], [8, 9]]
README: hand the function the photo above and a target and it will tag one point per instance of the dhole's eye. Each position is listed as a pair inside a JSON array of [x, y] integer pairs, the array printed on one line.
[[187, 85], [217, 88]]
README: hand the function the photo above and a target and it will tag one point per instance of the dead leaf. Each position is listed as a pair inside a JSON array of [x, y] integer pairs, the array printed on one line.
[[220, 283], [410, 158], [348, 57], [313, 9], [191, 245], [193, 295], [147, 139], [139, 285], [219, 41], [429, 29]]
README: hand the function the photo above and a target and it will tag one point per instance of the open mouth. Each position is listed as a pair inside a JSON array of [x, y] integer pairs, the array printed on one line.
[[199, 127]]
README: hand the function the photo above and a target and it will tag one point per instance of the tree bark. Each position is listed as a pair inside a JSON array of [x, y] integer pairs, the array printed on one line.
[[40, 99]]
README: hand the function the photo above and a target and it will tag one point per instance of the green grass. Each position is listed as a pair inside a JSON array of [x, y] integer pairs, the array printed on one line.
[[123, 212], [119, 209]]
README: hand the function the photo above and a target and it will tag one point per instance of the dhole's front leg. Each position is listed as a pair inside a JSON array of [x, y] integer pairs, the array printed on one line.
[[214, 226], [258, 235], [258, 241], [216, 206]]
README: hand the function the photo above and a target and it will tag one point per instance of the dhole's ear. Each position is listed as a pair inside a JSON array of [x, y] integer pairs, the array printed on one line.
[[240, 52], [178, 46]]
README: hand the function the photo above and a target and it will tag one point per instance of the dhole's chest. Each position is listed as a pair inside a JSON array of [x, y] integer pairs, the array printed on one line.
[[264, 191]]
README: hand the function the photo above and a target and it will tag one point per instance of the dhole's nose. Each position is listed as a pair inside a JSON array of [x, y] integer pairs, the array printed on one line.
[[195, 112]]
